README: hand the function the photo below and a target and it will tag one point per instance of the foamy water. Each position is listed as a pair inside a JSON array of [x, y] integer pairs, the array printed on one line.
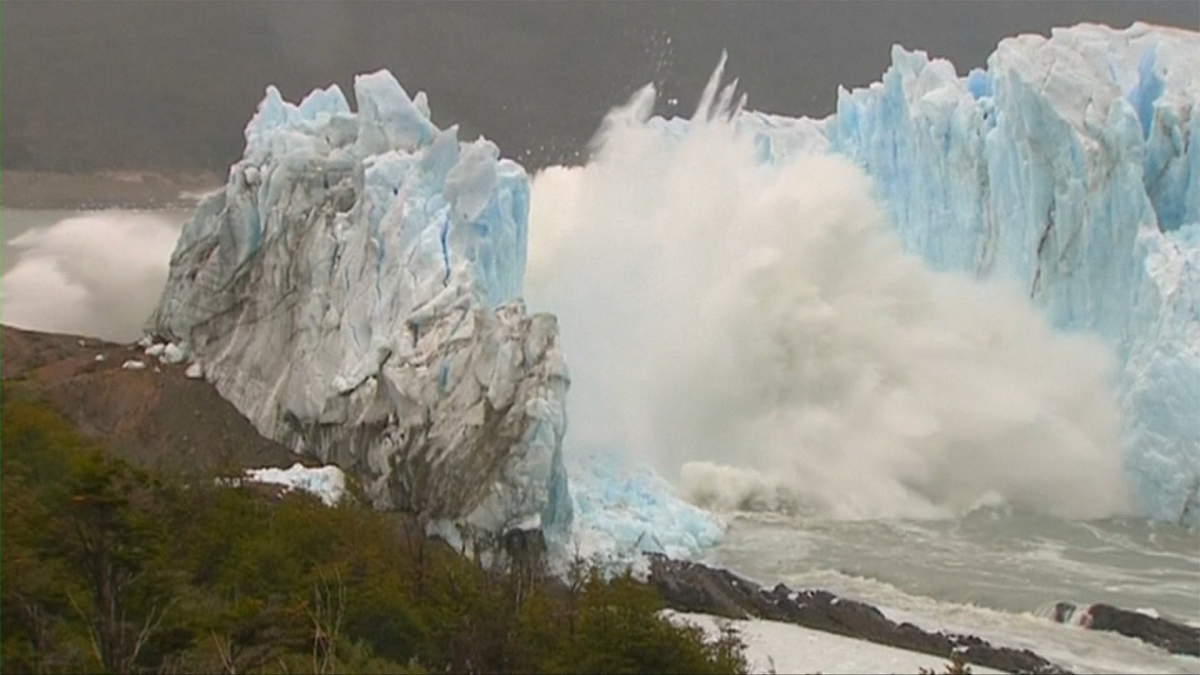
[[993, 573]]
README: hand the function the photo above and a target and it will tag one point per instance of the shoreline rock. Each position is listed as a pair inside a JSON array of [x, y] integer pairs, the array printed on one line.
[[693, 587], [1172, 636]]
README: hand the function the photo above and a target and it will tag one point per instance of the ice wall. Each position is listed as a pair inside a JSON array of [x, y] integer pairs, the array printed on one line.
[[1070, 166], [355, 292]]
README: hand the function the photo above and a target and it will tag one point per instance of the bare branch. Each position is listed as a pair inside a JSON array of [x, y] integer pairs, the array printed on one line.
[[327, 618], [90, 626], [148, 627], [225, 653]]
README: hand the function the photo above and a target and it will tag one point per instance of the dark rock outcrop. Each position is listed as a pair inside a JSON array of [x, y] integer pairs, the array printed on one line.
[[1172, 636], [693, 587]]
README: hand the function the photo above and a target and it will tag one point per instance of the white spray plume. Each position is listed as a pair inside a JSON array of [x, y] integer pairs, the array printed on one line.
[[758, 334], [96, 274]]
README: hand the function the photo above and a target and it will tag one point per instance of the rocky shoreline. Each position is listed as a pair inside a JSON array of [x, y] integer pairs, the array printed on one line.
[[693, 587]]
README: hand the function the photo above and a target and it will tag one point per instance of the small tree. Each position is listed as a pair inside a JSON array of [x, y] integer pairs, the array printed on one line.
[[114, 543]]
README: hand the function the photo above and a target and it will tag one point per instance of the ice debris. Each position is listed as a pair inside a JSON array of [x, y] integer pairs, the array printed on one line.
[[173, 353], [623, 511], [326, 482]]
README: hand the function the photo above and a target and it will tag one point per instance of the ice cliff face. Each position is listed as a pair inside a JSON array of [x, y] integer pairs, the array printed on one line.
[[355, 292], [1071, 166]]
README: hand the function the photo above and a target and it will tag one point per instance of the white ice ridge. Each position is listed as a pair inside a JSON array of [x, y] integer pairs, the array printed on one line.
[[1070, 166], [355, 292]]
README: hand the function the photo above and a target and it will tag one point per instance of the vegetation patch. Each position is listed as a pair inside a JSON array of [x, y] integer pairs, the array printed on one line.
[[108, 568]]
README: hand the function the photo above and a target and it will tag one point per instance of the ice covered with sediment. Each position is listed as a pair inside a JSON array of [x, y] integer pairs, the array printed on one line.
[[1069, 166], [355, 292]]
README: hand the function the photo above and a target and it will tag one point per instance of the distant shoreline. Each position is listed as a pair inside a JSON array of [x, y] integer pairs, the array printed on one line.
[[104, 189]]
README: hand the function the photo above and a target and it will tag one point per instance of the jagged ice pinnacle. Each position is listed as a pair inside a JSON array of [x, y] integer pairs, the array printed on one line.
[[355, 292]]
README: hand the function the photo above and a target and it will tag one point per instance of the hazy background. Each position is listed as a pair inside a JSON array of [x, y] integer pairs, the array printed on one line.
[[169, 85]]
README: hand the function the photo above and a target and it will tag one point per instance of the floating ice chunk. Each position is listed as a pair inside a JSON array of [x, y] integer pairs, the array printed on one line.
[[133, 364], [156, 350], [195, 371]]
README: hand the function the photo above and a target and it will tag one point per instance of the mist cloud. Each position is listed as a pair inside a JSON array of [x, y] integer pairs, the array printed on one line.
[[96, 274]]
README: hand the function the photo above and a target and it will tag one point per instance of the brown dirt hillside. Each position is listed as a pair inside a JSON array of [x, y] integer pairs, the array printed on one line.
[[156, 418]]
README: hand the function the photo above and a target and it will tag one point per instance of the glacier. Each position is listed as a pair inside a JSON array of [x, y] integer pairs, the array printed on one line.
[[355, 292], [356, 289], [1070, 166]]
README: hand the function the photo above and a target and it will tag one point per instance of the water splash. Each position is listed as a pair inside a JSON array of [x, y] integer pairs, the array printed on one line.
[[757, 334]]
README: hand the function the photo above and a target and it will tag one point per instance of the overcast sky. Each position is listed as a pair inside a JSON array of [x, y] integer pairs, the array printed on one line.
[[142, 84]]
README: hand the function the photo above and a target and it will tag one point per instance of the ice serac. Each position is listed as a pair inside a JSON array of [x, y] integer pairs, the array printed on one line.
[[1070, 166], [355, 292]]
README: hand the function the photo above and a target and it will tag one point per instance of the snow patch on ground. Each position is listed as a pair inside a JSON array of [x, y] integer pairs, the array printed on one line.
[[772, 646]]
